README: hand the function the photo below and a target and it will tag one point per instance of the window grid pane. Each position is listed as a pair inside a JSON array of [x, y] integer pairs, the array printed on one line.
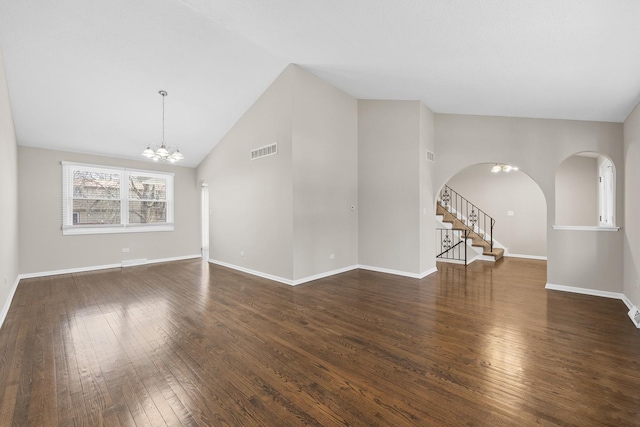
[[141, 212], [147, 188], [96, 212], [96, 185]]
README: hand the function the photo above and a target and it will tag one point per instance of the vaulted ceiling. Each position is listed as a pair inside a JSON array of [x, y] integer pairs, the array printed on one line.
[[84, 75]]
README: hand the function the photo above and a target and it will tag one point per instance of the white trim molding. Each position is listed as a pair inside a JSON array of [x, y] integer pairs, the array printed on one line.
[[586, 291], [175, 258], [102, 267], [526, 256], [594, 292], [398, 272], [279, 279], [253, 272], [584, 228], [627, 302], [323, 275], [297, 282], [7, 304]]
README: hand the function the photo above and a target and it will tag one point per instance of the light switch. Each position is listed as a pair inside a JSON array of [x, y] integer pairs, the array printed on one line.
[[509, 213]]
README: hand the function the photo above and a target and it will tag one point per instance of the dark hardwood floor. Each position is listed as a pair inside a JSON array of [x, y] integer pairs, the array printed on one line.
[[187, 343]]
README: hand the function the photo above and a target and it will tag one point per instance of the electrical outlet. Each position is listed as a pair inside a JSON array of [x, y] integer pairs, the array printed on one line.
[[332, 256], [241, 253], [125, 250]]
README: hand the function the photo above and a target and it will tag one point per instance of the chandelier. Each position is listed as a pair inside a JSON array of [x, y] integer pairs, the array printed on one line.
[[499, 167], [163, 153]]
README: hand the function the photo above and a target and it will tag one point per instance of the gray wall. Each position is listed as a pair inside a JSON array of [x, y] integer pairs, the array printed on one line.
[[291, 211], [577, 191], [9, 266], [394, 180], [524, 233], [632, 207], [586, 259], [43, 248], [325, 177], [251, 201]]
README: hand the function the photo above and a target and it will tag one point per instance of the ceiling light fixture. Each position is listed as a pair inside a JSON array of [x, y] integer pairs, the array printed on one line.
[[163, 153], [499, 167]]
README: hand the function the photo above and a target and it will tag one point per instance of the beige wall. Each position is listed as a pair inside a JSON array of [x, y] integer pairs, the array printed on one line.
[[43, 248], [288, 212], [427, 195], [524, 233], [632, 207], [9, 266], [586, 259], [325, 177], [393, 181], [577, 191]]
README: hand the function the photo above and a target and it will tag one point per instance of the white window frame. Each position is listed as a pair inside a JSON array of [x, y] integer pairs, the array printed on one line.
[[68, 228]]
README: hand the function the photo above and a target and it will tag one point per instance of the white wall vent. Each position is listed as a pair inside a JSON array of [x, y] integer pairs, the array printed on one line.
[[634, 314], [267, 150], [430, 156]]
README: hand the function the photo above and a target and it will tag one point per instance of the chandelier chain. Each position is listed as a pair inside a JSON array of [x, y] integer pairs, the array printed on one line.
[[164, 94], [163, 153]]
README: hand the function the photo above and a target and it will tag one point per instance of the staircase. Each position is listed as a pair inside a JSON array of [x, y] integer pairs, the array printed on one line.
[[467, 218]]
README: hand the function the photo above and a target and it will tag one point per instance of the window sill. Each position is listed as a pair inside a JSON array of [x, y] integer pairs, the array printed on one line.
[[73, 231], [584, 228]]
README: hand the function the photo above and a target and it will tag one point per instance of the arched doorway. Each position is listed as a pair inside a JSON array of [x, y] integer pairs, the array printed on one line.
[[512, 200]]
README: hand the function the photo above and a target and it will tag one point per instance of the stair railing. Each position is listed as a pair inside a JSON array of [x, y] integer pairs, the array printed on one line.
[[475, 218], [452, 244]]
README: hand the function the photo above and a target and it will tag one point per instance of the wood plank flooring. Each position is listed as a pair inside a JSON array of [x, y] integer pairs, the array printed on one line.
[[193, 344]]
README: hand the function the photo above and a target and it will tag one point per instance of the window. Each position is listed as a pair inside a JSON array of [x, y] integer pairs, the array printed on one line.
[[99, 199]]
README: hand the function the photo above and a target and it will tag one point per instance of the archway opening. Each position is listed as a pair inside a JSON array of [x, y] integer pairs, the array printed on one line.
[[511, 198], [585, 191]]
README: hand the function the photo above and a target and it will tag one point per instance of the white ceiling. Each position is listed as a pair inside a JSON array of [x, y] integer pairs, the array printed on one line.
[[84, 75]]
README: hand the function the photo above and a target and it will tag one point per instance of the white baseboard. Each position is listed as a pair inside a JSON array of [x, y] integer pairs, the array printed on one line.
[[7, 303], [289, 282], [399, 272], [175, 258], [585, 291], [428, 272], [627, 302], [253, 272], [69, 270], [101, 267], [594, 292], [322, 275], [510, 255]]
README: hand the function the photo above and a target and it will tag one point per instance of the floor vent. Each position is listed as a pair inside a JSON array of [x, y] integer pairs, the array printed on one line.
[[132, 262], [634, 314], [267, 150], [430, 156]]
